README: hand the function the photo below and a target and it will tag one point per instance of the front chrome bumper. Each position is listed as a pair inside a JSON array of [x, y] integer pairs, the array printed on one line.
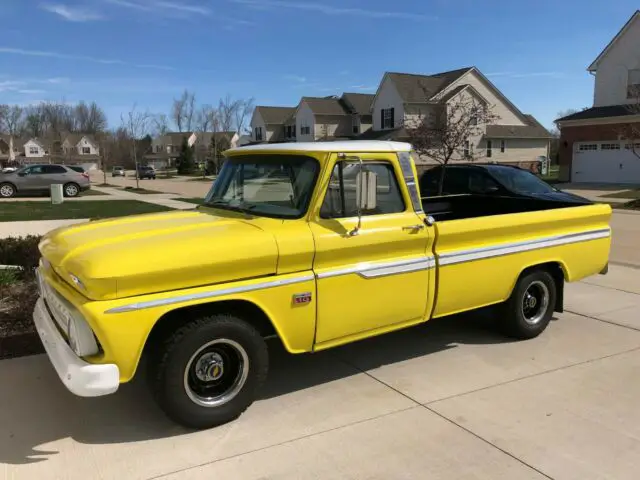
[[81, 378]]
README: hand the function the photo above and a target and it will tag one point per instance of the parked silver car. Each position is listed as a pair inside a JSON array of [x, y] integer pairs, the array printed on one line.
[[39, 178]]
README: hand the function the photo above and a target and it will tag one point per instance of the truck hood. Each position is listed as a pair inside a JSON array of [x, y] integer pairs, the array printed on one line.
[[150, 253]]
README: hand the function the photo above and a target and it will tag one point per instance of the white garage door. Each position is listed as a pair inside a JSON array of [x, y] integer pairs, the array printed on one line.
[[605, 162]]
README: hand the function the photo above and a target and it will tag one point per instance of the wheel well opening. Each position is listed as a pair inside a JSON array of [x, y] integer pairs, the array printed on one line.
[[175, 319], [557, 272]]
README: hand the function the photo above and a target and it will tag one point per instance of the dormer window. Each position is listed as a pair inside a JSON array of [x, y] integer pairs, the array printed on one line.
[[633, 84]]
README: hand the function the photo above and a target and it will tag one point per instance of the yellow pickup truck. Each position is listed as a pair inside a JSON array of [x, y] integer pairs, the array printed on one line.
[[317, 244]]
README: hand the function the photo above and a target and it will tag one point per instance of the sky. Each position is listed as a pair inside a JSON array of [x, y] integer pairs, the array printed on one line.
[[122, 53]]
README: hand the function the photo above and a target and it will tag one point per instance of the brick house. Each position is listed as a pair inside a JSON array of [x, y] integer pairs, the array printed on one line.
[[601, 144]]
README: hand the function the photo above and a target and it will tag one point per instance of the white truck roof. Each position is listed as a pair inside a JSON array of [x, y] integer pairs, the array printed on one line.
[[339, 146]]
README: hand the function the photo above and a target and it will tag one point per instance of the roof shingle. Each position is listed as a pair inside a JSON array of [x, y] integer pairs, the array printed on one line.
[[277, 115], [534, 129], [325, 105], [599, 112], [415, 88], [360, 102]]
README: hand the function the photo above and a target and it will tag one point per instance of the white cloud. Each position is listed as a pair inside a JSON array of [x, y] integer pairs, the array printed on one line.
[[296, 78], [31, 91], [161, 7], [10, 85], [364, 87], [83, 58], [331, 10], [72, 14], [57, 80]]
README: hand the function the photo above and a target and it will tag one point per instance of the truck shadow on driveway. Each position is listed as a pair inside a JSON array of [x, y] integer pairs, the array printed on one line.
[[37, 409]]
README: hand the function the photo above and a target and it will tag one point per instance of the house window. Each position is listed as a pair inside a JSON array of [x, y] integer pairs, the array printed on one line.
[[503, 146], [610, 146], [387, 117], [635, 146], [34, 150], [305, 130], [473, 120], [355, 123], [588, 146], [633, 84], [489, 148], [86, 150], [259, 133], [467, 149]]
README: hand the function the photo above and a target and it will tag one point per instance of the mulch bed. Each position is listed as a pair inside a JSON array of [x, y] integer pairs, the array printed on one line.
[[17, 332]]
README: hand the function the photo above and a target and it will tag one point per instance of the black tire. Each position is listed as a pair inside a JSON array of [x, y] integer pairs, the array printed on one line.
[[7, 190], [71, 189], [177, 386], [530, 307]]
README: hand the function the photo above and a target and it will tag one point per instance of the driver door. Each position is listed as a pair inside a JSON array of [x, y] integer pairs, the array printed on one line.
[[32, 181], [379, 278]]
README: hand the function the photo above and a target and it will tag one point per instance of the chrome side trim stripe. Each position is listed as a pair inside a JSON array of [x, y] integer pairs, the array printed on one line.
[[211, 294], [381, 269], [470, 255]]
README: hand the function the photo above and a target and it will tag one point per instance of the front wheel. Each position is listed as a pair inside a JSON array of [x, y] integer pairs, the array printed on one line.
[[209, 371], [71, 190], [528, 311], [7, 190]]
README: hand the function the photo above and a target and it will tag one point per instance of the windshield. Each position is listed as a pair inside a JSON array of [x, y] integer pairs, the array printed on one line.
[[277, 186], [520, 181]]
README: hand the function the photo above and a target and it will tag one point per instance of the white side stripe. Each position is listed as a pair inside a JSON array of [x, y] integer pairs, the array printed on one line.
[[518, 247], [380, 269], [211, 294]]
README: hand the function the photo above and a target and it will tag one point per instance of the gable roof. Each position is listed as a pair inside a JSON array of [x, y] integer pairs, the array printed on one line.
[[175, 138], [325, 105], [594, 65], [599, 112], [533, 129], [360, 103], [271, 115], [74, 138], [414, 88], [37, 141]]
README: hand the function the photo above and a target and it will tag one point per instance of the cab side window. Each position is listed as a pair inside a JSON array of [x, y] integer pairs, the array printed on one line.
[[37, 170], [340, 199]]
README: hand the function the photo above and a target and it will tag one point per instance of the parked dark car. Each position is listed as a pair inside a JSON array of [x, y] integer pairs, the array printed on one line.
[[146, 171], [492, 179]]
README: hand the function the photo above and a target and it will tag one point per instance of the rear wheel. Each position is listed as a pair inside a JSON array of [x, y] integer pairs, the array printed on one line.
[[528, 311], [209, 371], [7, 190], [71, 190]]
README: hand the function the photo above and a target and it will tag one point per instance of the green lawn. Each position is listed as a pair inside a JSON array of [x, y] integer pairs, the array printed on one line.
[[196, 200], [631, 194], [632, 205], [95, 209]]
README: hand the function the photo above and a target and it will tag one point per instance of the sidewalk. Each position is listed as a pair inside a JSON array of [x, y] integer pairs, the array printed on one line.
[[449, 399]]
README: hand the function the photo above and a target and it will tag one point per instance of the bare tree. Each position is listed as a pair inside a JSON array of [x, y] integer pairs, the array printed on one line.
[[243, 112], [90, 118], [13, 119], [205, 118], [183, 111], [106, 141], [630, 132], [136, 124], [447, 131], [160, 124]]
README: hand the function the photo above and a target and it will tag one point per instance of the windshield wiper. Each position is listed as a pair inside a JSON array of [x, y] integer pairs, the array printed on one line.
[[226, 204]]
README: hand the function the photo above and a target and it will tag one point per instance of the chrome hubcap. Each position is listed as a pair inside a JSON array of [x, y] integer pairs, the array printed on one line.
[[72, 190], [216, 373], [6, 191], [535, 302]]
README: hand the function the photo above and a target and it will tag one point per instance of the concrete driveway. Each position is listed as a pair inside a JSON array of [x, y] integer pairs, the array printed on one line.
[[447, 400]]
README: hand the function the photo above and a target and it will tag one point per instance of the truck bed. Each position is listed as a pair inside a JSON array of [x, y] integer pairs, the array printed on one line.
[[458, 207]]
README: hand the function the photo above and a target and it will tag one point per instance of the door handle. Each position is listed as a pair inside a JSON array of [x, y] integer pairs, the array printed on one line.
[[418, 226]]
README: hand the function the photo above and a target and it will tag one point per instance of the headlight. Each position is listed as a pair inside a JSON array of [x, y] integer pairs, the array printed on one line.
[[81, 339]]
